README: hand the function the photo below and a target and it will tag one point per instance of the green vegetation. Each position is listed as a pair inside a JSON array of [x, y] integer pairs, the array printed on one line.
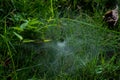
[[57, 40]]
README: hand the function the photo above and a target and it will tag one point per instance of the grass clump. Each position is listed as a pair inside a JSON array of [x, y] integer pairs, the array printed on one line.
[[57, 40]]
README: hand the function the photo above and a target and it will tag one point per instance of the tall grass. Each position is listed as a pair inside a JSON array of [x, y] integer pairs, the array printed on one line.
[[41, 42]]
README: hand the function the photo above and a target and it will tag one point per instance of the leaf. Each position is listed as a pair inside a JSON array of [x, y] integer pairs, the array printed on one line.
[[17, 28], [19, 36], [23, 26], [34, 21], [47, 40], [28, 41], [99, 69]]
